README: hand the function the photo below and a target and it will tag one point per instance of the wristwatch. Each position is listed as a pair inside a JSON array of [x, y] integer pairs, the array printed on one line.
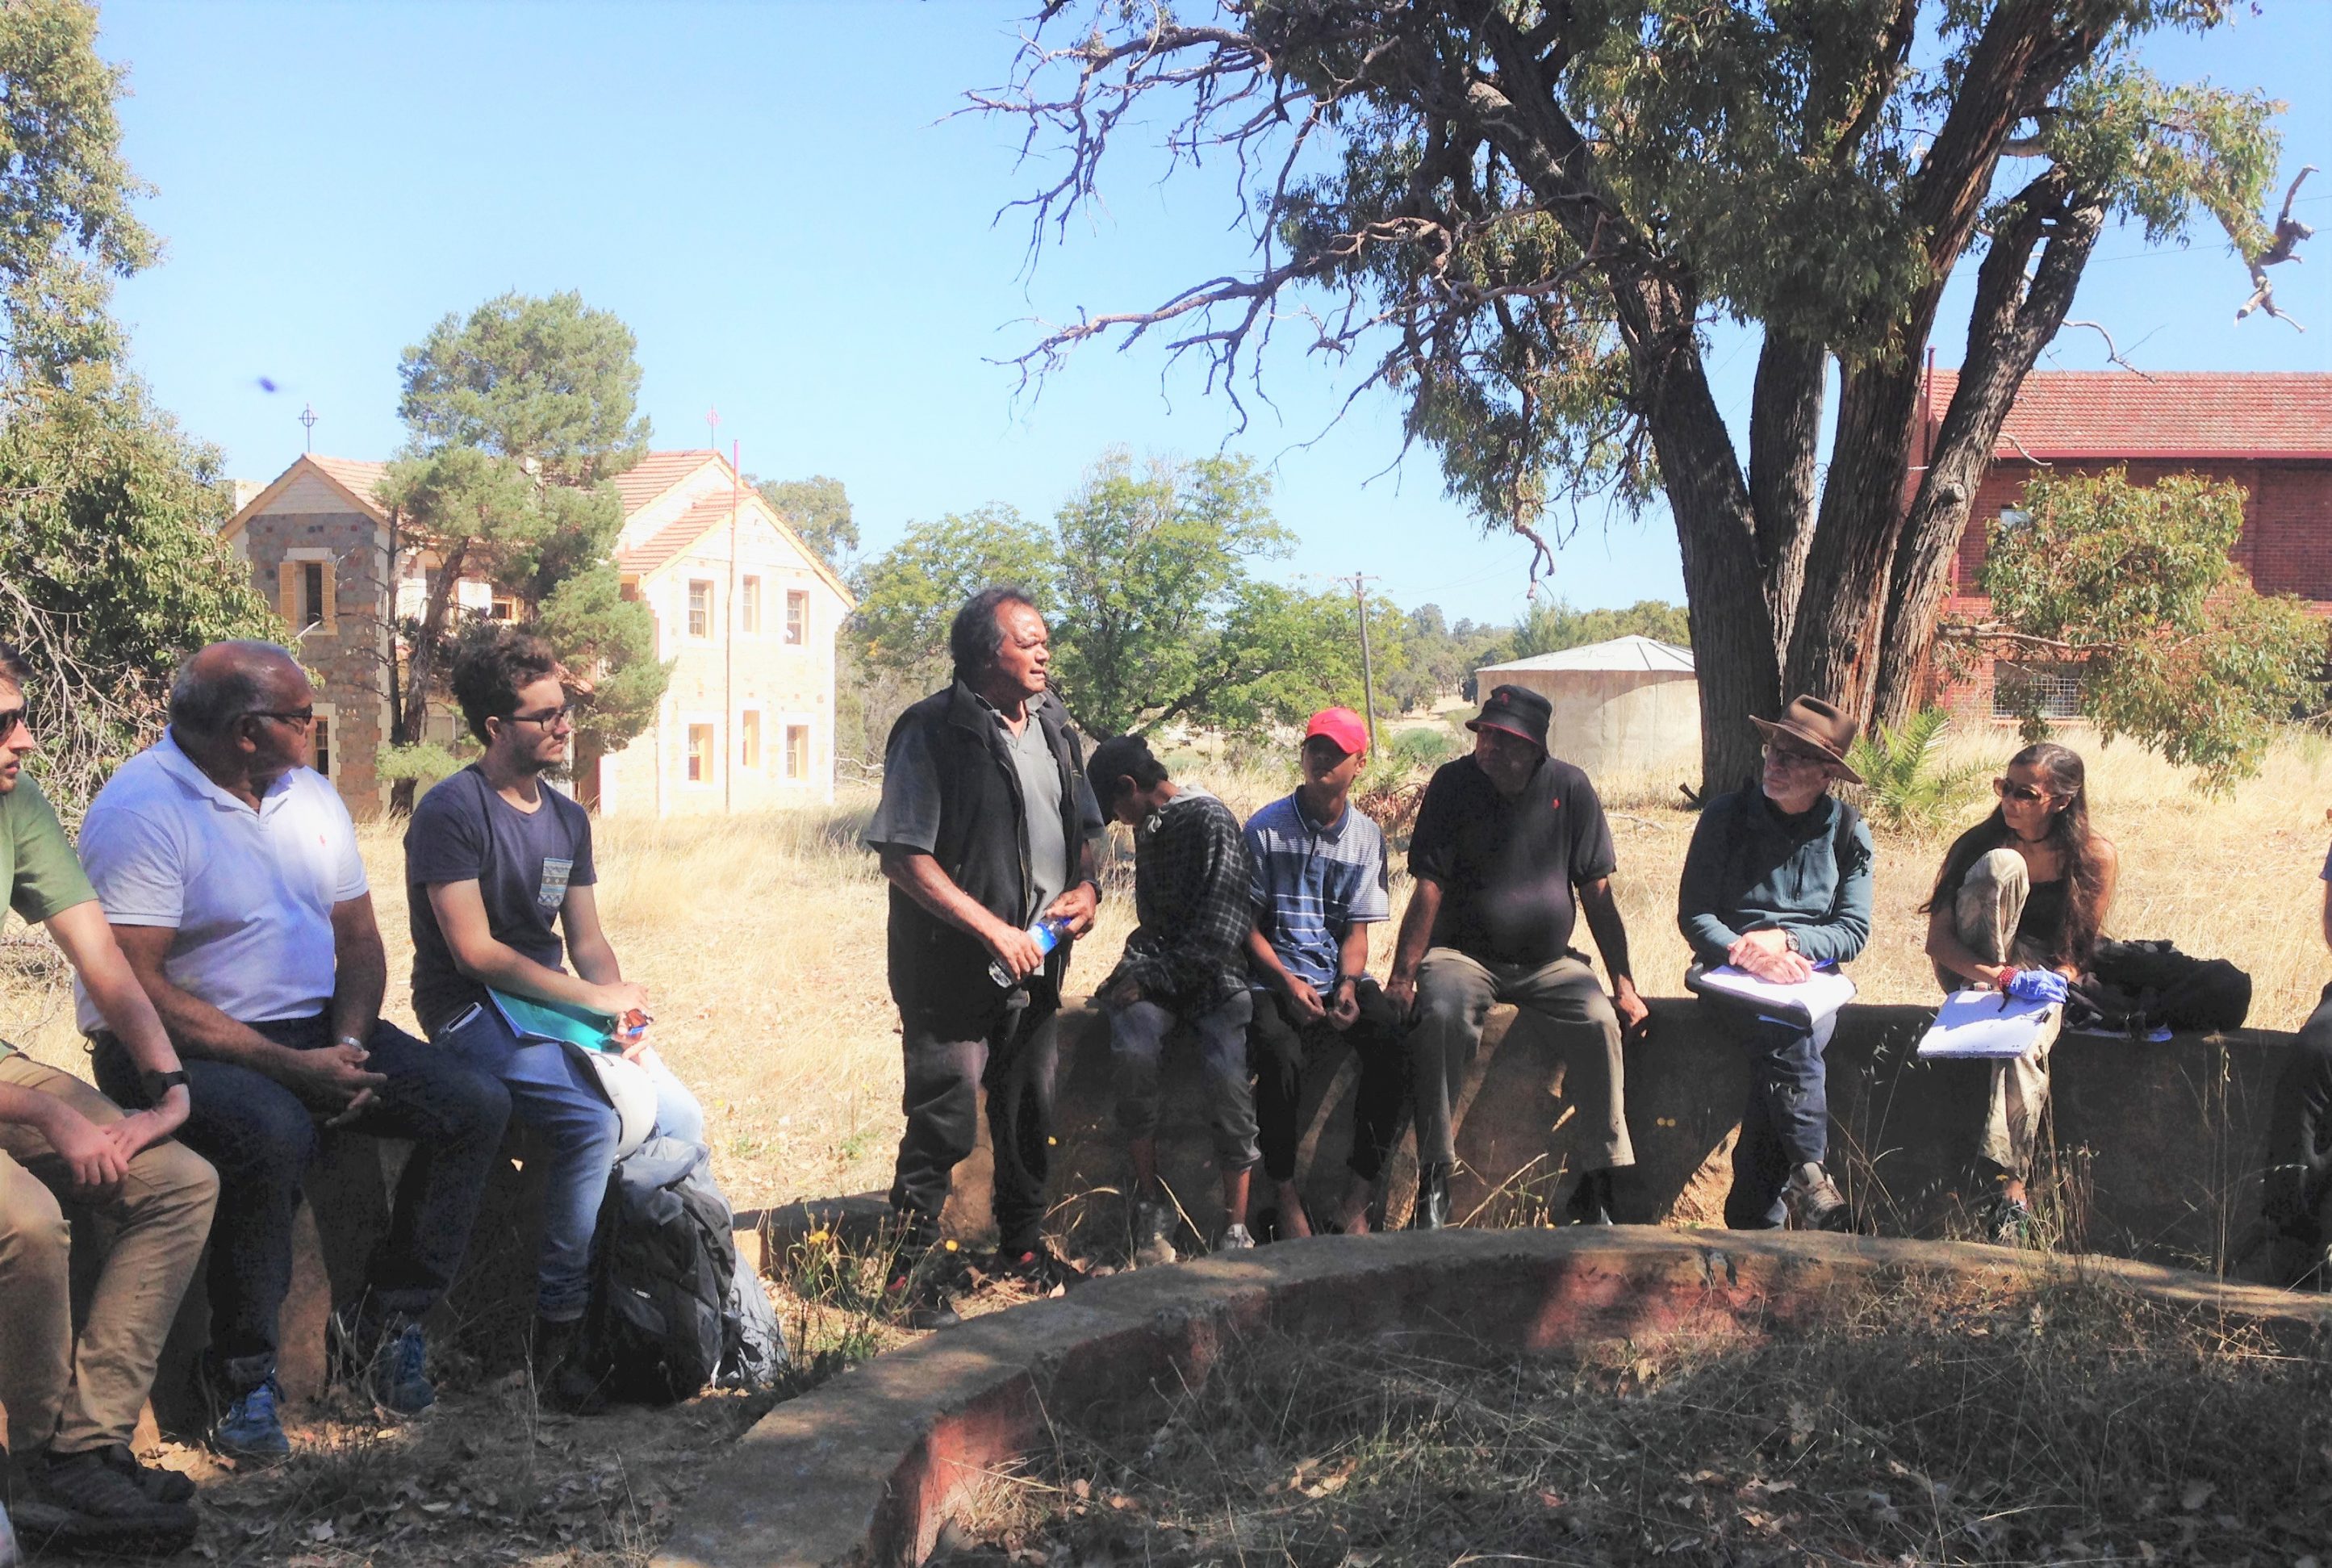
[[157, 1085], [1789, 940]]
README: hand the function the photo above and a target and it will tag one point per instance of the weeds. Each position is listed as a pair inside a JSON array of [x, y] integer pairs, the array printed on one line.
[[1927, 1420]]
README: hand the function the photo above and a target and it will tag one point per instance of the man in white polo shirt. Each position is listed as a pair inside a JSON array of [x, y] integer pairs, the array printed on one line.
[[229, 872]]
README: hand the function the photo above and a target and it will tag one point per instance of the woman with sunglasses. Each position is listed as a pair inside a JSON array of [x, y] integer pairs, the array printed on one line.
[[2027, 888]]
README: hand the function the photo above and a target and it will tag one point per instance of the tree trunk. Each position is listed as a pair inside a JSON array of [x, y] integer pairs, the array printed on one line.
[[421, 667], [1786, 416], [2013, 320]]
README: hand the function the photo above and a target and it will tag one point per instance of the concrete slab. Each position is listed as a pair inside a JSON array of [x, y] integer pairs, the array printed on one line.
[[867, 1468]]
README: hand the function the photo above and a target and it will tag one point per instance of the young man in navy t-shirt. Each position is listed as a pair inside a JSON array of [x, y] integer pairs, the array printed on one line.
[[498, 868]]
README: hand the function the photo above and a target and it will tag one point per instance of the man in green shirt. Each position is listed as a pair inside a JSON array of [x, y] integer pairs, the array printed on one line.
[[72, 1480]]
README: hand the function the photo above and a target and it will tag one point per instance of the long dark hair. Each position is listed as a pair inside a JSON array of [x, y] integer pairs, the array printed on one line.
[[2068, 832]]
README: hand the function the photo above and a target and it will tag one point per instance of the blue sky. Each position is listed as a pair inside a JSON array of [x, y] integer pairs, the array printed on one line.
[[775, 199]]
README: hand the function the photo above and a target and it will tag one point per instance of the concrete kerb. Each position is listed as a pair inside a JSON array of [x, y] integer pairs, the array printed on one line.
[[866, 1468]]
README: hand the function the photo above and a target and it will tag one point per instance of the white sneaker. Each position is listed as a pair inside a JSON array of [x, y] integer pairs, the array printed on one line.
[[1814, 1201], [1153, 1223], [1237, 1239]]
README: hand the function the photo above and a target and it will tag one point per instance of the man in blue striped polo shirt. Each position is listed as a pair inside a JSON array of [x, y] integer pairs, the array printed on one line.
[[1319, 886]]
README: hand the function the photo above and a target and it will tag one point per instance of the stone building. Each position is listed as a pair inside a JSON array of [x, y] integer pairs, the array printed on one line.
[[745, 612], [2269, 432]]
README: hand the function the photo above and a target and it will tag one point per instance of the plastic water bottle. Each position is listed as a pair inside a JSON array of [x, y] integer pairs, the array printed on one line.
[[1046, 934]]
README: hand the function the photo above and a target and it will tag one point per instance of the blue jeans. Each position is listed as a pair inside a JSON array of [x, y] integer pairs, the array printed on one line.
[[1137, 1040], [553, 1093], [262, 1137], [1786, 1123]]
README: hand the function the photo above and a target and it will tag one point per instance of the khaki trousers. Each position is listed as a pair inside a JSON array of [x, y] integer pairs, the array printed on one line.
[[67, 1395], [1990, 902], [1454, 993]]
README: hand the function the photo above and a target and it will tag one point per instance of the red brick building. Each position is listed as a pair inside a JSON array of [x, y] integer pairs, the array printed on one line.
[[2270, 433]]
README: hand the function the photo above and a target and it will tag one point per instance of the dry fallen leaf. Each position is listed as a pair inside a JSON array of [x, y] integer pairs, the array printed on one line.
[[2194, 1494]]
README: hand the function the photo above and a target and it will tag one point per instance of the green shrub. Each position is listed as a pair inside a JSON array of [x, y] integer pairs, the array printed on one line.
[[1908, 784]]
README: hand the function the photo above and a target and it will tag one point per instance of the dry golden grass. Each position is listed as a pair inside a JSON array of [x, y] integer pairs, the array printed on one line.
[[761, 939]]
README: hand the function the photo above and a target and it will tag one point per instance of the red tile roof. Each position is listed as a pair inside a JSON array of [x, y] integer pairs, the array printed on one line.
[[356, 475], [2188, 414], [674, 536], [657, 473]]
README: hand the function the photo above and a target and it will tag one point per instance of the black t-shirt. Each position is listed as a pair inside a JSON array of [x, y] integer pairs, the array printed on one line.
[[524, 863], [1507, 868]]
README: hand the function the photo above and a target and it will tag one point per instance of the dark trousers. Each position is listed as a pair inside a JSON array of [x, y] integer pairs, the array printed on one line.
[[2300, 1131], [262, 1137], [1278, 1046], [1786, 1123], [948, 1063]]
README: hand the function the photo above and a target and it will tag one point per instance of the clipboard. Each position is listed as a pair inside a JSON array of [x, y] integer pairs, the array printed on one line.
[[1989, 1025], [1805, 1004]]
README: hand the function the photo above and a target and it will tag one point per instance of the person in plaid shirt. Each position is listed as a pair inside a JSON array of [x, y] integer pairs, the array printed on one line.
[[1185, 961]]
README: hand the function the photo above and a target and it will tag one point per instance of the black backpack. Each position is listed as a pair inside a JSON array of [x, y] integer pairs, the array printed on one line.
[[666, 1263], [2140, 986]]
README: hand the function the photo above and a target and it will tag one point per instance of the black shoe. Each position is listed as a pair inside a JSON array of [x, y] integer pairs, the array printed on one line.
[[564, 1377], [79, 1502], [1035, 1267], [1432, 1211], [1590, 1201], [919, 1289], [162, 1486]]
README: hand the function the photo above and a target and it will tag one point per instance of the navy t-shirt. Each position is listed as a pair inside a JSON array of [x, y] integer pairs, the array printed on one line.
[[524, 863], [1507, 868]]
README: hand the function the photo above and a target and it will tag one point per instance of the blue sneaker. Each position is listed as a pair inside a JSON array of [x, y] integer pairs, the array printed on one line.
[[250, 1429], [395, 1379]]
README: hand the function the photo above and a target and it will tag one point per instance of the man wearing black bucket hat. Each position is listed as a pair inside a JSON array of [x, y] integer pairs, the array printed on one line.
[[1504, 839], [1777, 882]]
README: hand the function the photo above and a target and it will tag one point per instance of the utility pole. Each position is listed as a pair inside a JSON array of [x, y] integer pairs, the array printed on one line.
[[1359, 581]]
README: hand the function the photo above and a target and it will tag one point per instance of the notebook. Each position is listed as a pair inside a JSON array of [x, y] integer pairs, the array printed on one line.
[[1990, 1025], [1805, 1004], [532, 1019]]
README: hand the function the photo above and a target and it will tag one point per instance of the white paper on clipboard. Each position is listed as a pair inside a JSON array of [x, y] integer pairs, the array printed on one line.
[[1990, 1025]]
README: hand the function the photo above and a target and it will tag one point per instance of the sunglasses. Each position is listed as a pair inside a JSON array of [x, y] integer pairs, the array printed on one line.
[[2010, 789], [298, 718], [11, 717], [1795, 757]]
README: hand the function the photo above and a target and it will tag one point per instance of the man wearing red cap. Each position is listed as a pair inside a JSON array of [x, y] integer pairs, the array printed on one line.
[[1319, 884], [1504, 839]]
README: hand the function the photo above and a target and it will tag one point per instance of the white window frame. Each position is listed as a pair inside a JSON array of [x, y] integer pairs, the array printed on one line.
[[760, 717], [784, 617], [689, 722], [780, 772], [325, 555], [688, 610], [752, 602], [329, 713]]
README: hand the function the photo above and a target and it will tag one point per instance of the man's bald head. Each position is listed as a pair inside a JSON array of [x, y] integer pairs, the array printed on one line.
[[225, 681]]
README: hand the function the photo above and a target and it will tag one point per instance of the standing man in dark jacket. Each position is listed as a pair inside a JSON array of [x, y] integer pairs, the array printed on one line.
[[986, 825], [1778, 880], [1511, 847]]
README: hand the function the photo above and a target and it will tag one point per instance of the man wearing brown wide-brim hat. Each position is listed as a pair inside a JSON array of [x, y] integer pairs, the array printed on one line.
[[1777, 882]]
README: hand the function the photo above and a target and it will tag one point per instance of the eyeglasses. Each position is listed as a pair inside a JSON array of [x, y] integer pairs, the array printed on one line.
[[1791, 757], [11, 717], [549, 717], [2010, 789], [298, 718]]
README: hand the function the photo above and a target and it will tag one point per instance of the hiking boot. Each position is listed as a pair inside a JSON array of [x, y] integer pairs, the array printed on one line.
[[385, 1358], [1814, 1201], [919, 1290], [1590, 1201], [2008, 1222], [249, 1429], [1431, 1210], [563, 1376], [1037, 1269], [101, 1509], [1153, 1227], [1236, 1239], [162, 1486]]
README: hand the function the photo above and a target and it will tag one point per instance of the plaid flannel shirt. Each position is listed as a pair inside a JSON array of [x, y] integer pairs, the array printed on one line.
[[1192, 871]]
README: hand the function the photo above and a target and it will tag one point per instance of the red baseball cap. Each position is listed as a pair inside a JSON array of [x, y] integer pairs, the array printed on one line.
[[1341, 725]]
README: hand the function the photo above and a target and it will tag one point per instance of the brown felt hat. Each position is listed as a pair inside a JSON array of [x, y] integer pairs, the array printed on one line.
[[1819, 725]]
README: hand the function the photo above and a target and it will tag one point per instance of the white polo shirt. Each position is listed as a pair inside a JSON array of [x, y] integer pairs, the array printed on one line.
[[250, 893]]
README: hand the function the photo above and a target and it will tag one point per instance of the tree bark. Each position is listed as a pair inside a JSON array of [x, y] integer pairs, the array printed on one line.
[[1785, 415], [421, 666], [2013, 320]]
